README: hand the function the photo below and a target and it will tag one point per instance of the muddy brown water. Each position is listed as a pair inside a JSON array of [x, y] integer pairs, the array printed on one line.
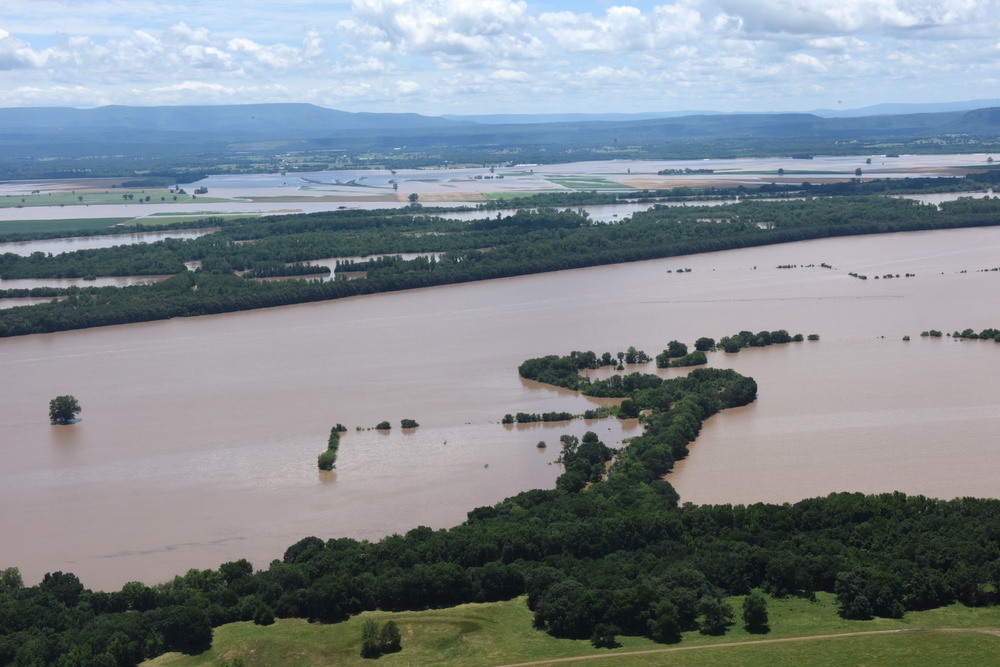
[[199, 436]]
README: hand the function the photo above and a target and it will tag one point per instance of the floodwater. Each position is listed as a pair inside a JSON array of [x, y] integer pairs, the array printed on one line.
[[59, 246], [199, 436], [103, 281], [276, 194], [23, 301]]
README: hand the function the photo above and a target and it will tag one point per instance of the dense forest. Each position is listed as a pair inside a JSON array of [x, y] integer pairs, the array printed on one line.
[[609, 551], [526, 242]]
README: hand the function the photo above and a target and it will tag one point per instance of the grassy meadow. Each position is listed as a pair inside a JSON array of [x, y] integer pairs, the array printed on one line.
[[482, 635]]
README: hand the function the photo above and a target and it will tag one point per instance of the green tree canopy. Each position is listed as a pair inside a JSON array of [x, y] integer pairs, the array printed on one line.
[[63, 409], [755, 617]]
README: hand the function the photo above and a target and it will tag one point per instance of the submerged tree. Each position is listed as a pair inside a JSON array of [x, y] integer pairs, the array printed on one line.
[[63, 409]]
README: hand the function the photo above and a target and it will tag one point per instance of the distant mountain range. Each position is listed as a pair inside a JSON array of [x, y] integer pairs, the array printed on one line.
[[217, 135], [876, 110]]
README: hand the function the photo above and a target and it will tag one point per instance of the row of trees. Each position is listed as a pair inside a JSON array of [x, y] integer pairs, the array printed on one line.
[[327, 460], [534, 417]]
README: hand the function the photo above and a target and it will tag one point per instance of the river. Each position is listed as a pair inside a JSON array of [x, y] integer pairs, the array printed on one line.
[[199, 436]]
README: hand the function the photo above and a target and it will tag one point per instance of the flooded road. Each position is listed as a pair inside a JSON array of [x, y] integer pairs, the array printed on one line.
[[199, 436]]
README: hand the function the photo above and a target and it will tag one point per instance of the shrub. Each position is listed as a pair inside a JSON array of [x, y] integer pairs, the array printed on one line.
[[327, 460]]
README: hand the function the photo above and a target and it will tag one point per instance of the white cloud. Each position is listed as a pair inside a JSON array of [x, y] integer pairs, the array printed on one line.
[[623, 29], [407, 87], [464, 56], [356, 65], [183, 33], [839, 43], [510, 75], [17, 54], [69, 96], [313, 46], [818, 17], [445, 28], [207, 57], [277, 57]]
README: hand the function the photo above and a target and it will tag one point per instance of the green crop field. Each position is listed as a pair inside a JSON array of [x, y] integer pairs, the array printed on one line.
[[482, 635], [66, 225], [64, 198], [587, 183]]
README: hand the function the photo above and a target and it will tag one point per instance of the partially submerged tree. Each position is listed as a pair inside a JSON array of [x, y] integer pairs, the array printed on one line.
[[63, 409]]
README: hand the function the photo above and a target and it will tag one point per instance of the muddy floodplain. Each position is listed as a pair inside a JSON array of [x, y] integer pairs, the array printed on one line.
[[199, 436]]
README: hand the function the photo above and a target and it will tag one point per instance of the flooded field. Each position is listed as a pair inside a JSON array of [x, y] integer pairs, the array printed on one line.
[[199, 436], [275, 194]]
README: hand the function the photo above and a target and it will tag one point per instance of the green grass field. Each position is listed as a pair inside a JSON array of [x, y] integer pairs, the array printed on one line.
[[95, 224], [109, 196], [170, 218], [69, 224], [586, 183], [793, 172], [484, 635], [514, 195]]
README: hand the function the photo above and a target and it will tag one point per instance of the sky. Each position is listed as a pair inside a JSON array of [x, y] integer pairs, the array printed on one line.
[[438, 57]]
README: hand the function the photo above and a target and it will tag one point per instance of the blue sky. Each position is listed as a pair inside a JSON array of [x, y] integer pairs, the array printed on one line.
[[500, 56]]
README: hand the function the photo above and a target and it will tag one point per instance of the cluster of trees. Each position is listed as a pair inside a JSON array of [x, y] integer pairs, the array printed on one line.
[[534, 417], [686, 171], [129, 260], [743, 339], [563, 371], [676, 350], [986, 334], [282, 270], [696, 358], [378, 639], [585, 461], [327, 460]]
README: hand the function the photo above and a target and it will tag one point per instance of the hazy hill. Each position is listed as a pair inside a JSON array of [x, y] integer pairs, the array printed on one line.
[[906, 108], [120, 140], [270, 120]]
